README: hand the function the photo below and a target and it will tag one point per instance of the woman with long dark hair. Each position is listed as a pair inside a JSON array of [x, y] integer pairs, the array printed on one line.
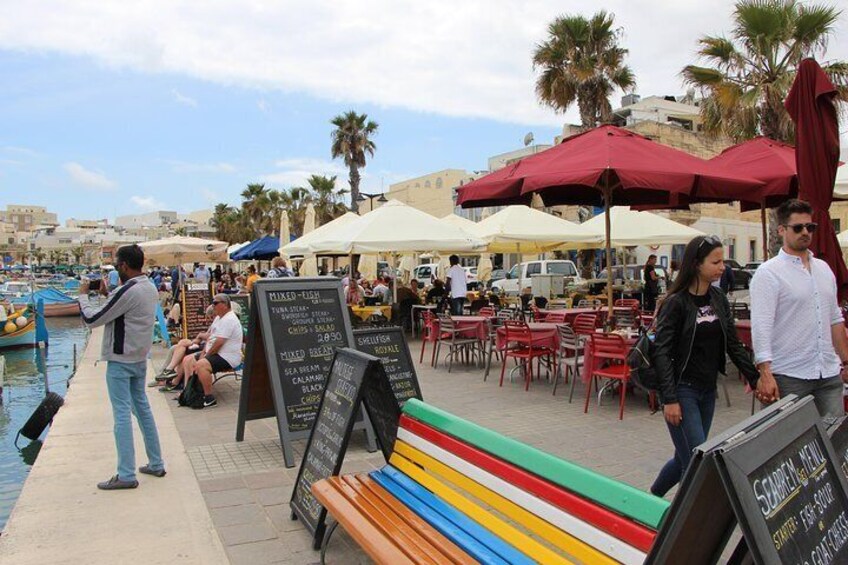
[[695, 332]]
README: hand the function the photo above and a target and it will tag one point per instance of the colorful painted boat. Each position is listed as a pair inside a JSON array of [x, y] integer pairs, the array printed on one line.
[[22, 337], [56, 303]]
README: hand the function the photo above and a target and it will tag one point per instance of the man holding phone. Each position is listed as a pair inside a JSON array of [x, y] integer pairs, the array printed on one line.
[[127, 316]]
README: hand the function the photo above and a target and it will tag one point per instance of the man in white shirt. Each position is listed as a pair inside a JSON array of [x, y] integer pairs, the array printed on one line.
[[457, 282], [201, 273], [797, 326], [222, 351], [382, 290]]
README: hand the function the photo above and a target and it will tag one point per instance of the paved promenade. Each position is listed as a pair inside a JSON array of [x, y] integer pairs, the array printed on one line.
[[242, 489], [61, 516]]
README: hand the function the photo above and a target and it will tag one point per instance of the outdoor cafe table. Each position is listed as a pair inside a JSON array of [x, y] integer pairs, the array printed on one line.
[[471, 326], [365, 312], [542, 334]]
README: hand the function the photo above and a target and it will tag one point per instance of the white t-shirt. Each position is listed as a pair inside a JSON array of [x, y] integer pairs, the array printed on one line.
[[229, 328], [458, 281], [382, 291]]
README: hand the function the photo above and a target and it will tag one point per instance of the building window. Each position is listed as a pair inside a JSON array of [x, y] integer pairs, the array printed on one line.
[[426, 184], [731, 248], [439, 182], [837, 224], [417, 185], [752, 250]]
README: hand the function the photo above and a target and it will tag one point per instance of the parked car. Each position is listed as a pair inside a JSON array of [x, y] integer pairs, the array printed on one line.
[[741, 277], [629, 274], [497, 274], [752, 267], [471, 277], [518, 277]]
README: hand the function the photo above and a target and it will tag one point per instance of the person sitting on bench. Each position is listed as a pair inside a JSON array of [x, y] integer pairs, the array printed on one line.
[[221, 353]]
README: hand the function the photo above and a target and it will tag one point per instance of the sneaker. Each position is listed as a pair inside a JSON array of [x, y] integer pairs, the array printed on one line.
[[166, 375], [116, 483], [208, 402], [148, 471], [170, 387]]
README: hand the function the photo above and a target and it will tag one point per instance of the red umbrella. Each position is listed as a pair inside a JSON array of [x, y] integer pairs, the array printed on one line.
[[767, 160], [810, 104], [603, 166]]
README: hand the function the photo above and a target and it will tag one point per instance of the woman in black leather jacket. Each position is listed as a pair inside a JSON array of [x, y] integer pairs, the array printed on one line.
[[695, 332]]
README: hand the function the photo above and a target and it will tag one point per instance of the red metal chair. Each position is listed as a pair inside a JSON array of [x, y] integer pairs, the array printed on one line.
[[585, 324], [627, 303], [428, 333], [609, 361], [519, 346], [555, 317], [487, 312]]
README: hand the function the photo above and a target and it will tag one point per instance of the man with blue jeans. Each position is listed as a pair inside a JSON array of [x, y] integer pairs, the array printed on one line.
[[457, 282], [127, 316]]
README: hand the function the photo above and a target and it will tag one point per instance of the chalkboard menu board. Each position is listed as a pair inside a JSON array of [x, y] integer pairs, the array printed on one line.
[[243, 300], [325, 450], [839, 438], [783, 480], [389, 344], [196, 297], [295, 326], [354, 376]]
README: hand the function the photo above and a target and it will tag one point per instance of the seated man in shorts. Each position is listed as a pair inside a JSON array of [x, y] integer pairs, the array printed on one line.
[[222, 351]]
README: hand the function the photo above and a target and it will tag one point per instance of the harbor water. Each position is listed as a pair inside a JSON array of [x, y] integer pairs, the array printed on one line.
[[27, 377]]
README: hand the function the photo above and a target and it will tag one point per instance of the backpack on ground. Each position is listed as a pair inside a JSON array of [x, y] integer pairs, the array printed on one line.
[[192, 395]]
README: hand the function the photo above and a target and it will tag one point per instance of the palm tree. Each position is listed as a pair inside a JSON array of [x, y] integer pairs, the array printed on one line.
[[38, 255], [78, 253], [256, 204], [581, 62], [328, 202], [351, 141], [750, 73], [222, 218]]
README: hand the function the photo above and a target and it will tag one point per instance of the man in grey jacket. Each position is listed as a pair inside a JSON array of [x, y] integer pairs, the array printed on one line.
[[128, 316]]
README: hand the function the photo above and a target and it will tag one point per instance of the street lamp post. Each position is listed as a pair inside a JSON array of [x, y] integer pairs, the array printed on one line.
[[363, 196]]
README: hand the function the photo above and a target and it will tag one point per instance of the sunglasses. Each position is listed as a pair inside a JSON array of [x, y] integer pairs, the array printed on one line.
[[713, 240], [797, 228]]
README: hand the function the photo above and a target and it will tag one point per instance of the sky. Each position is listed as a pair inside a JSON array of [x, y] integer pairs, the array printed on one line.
[[112, 108]]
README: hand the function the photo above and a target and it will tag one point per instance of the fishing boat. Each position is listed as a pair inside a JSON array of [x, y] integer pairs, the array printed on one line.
[[56, 302], [21, 337]]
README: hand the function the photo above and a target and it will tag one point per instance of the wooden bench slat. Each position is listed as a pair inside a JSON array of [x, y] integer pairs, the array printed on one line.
[[369, 537], [619, 527], [510, 534], [620, 497], [416, 547], [417, 530], [545, 520], [478, 542]]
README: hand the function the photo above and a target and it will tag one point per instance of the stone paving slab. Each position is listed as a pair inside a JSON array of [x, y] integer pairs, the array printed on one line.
[[246, 484]]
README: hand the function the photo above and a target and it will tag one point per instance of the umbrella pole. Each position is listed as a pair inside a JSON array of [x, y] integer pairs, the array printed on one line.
[[765, 231], [607, 203]]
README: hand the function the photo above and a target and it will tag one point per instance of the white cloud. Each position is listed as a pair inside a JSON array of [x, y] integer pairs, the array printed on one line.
[[210, 195], [23, 151], [467, 59], [146, 203], [263, 105], [294, 171], [183, 99], [94, 180], [189, 167]]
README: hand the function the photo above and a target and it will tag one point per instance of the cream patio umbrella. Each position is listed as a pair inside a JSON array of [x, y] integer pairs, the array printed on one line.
[[629, 228], [396, 227], [309, 266], [180, 249], [484, 265], [840, 189], [300, 246], [407, 264], [521, 229], [842, 238], [285, 232], [460, 222]]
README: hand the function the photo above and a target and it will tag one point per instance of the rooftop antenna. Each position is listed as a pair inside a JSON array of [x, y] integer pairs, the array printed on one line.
[[528, 139]]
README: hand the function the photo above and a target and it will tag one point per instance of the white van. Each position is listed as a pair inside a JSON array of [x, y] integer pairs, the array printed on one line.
[[518, 277]]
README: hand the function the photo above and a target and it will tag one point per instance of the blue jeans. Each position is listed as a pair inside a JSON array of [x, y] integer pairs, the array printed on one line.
[[125, 382], [456, 305], [698, 407]]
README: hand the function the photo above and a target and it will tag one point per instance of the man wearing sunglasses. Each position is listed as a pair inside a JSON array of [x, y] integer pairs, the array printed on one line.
[[796, 323]]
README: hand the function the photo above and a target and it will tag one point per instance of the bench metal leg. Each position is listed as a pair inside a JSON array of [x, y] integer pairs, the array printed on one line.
[[326, 540]]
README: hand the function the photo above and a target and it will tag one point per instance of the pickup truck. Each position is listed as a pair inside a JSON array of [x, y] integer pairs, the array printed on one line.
[[519, 277]]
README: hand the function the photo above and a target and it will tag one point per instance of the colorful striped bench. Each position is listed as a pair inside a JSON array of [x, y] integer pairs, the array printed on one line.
[[455, 492]]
